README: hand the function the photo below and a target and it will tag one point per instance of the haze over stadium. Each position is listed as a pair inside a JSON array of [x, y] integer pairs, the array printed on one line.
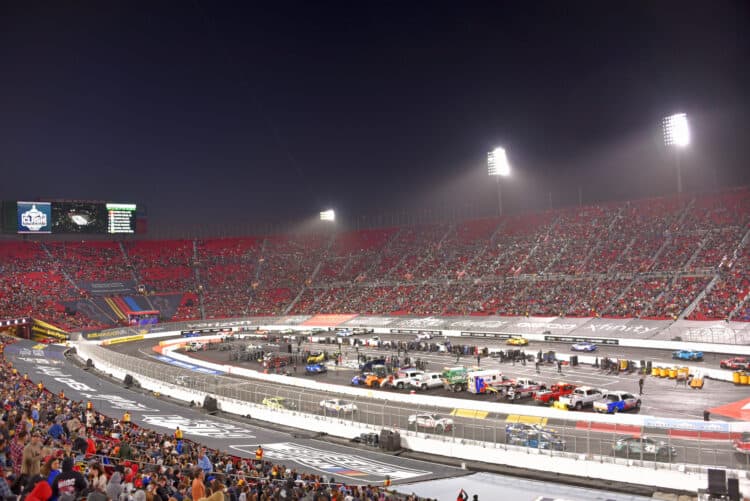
[[365, 191], [227, 115]]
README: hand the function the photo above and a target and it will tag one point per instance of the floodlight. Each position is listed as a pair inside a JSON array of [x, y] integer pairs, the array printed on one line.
[[676, 130], [497, 163], [328, 215]]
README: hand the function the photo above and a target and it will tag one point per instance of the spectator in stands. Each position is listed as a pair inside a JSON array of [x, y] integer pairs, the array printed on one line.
[[69, 484]]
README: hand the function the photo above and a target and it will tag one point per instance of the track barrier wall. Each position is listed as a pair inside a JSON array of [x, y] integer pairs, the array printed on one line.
[[590, 436]]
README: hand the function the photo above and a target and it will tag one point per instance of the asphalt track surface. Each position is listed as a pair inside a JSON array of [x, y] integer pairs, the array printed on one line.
[[662, 397], [359, 464]]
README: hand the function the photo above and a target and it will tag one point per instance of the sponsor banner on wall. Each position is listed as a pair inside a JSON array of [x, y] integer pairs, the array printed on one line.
[[685, 424], [581, 339], [415, 331], [113, 288], [370, 321], [621, 327], [327, 319], [494, 335]]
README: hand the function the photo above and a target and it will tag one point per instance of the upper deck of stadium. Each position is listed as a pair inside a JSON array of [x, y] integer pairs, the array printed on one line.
[[660, 258]]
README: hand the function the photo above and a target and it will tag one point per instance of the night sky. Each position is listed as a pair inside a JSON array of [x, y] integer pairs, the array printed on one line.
[[216, 112]]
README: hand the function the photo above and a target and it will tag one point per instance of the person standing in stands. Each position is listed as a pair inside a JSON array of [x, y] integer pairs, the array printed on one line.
[[178, 434], [197, 488], [259, 454], [69, 484]]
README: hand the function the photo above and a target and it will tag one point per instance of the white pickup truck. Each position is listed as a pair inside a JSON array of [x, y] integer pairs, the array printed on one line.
[[403, 378], [427, 380], [585, 396]]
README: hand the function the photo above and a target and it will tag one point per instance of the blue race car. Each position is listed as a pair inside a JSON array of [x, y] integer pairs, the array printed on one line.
[[687, 355], [536, 439], [316, 368], [587, 347]]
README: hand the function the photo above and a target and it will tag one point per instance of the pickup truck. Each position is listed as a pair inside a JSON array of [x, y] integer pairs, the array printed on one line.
[[554, 393], [585, 396], [524, 388], [616, 401], [403, 378], [427, 380]]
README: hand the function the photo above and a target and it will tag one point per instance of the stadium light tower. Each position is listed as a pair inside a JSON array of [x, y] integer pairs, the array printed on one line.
[[677, 136], [498, 166], [328, 215]]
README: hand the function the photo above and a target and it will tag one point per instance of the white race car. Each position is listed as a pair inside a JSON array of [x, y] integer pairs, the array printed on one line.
[[337, 406], [432, 422]]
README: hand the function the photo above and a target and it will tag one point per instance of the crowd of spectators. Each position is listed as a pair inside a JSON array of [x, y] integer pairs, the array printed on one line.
[[618, 259], [54, 448]]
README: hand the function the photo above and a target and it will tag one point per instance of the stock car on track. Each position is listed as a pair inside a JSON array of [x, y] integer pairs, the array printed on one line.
[[279, 403], [433, 422], [316, 368], [643, 447], [742, 444], [536, 439], [516, 428], [316, 358], [337, 406], [736, 363], [517, 341], [586, 347], [616, 401], [687, 355], [345, 333]]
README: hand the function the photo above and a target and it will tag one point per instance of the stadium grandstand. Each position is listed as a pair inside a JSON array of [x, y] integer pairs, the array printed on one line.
[[663, 258]]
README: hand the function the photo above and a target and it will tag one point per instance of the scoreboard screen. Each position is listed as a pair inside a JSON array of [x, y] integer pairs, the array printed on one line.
[[79, 217], [120, 218], [68, 217]]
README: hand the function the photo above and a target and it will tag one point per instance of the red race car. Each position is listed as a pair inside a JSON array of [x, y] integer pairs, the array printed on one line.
[[736, 363]]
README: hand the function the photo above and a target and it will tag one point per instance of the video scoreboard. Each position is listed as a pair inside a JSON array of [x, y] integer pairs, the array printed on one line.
[[68, 217]]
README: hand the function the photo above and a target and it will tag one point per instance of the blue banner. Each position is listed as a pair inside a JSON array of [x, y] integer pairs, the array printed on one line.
[[34, 217], [685, 424]]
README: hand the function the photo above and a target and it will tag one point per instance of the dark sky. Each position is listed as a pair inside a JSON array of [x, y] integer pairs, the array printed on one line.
[[207, 111]]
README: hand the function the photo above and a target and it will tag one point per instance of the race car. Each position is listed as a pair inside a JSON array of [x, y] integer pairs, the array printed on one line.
[[736, 363], [616, 401], [431, 422], [337, 406], [587, 347], [537, 439], [643, 447], [517, 341], [517, 428], [279, 403], [315, 358], [424, 336], [687, 355], [742, 444], [345, 333], [316, 368]]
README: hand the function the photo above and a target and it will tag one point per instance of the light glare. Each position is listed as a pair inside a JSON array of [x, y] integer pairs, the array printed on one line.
[[328, 215], [676, 130], [497, 163]]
